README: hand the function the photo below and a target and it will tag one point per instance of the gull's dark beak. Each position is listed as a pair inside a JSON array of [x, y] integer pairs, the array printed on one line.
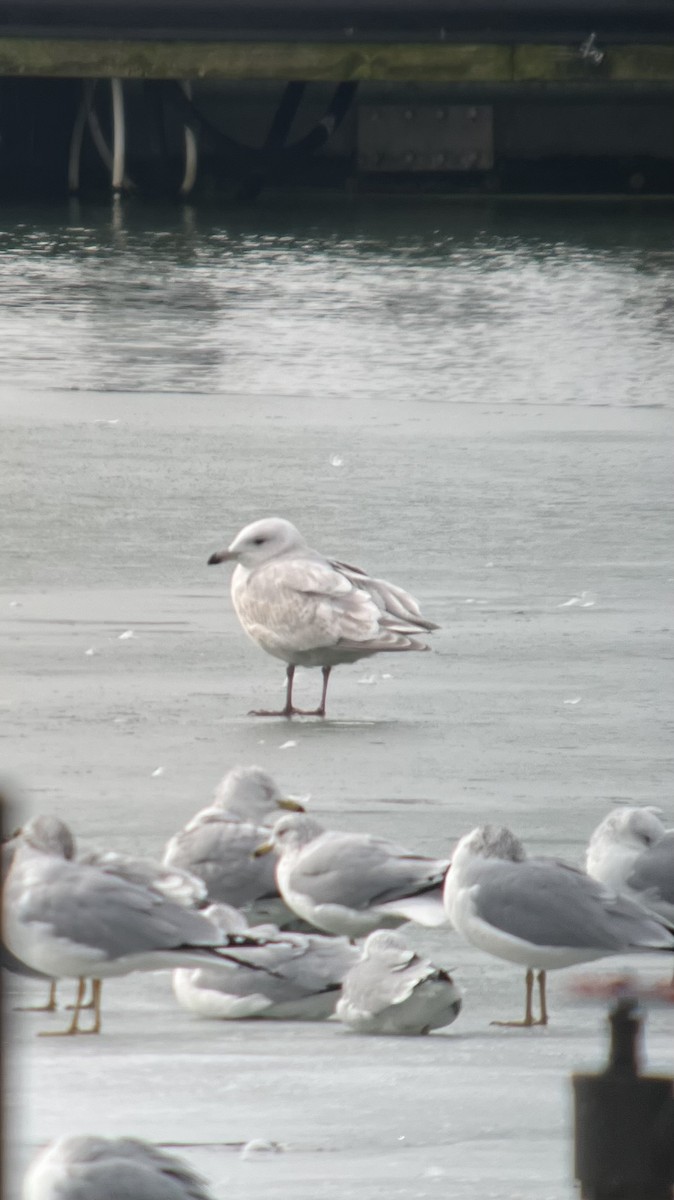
[[290, 805], [220, 556]]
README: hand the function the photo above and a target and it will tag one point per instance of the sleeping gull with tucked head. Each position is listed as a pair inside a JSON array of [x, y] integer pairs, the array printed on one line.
[[539, 912], [68, 919], [353, 883], [311, 611], [633, 852], [291, 977], [393, 990], [109, 1168]]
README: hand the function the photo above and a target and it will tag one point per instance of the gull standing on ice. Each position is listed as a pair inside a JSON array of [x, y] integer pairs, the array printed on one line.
[[633, 852], [172, 882], [539, 912], [353, 883], [70, 920], [96, 1168], [217, 844], [392, 990], [311, 611], [293, 976]]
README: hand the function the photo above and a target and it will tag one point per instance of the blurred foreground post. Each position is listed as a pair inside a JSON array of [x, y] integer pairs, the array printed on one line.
[[3, 826], [624, 1122]]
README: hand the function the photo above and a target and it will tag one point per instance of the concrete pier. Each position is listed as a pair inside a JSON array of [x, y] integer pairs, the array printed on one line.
[[572, 99]]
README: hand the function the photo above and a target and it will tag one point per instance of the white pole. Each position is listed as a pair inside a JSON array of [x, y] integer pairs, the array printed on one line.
[[118, 135], [191, 151]]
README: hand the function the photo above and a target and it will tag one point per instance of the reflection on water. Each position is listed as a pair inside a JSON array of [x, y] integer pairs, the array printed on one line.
[[414, 300]]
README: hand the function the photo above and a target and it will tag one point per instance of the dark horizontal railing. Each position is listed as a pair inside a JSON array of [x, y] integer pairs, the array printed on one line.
[[267, 20]]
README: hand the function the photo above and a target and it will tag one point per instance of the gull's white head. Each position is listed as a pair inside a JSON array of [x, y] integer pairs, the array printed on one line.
[[49, 835], [251, 794], [227, 918], [388, 946], [260, 542], [291, 833], [618, 842], [636, 828], [489, 841]]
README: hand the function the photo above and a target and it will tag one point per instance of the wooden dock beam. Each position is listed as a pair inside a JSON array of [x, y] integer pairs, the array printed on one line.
[[456, 63]]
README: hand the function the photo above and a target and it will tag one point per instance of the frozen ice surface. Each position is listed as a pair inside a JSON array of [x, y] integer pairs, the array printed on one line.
[[470, 732], [463, 493], [490, 1107]]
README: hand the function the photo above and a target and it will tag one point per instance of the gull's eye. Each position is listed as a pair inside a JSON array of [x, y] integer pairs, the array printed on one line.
[[259, 541]]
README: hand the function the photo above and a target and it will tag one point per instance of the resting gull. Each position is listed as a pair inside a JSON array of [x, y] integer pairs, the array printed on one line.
[[96, 1168], [217, 844], [539, 912], [293, 976], [633, 852], [393, 990], [353, 883], [311, 611], [68, 919], [172, 882]]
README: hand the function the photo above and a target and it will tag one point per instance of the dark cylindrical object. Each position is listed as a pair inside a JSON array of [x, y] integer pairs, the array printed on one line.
[[618, 1123]]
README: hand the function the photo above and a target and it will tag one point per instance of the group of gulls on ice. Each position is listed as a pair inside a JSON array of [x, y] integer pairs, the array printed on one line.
[[268, 915]]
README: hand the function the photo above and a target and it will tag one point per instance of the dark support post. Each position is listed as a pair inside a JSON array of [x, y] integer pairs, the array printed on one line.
[[278, 132], [624, 1122]]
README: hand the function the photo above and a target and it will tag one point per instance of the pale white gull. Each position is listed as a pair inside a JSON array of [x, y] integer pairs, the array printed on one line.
[[68, 919], [353, 883], [96, 1168], [217, 844], [633, 852], [393, 990], [311, 611], [293, 976], [539, 912]]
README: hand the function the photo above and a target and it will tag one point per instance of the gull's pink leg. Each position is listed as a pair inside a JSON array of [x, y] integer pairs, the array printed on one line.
[[283, 712], [320, 711], [289, 710]]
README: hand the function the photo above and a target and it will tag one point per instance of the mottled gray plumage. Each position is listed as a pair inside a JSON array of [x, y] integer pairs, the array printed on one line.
[[312, 611], [95, 1168]]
